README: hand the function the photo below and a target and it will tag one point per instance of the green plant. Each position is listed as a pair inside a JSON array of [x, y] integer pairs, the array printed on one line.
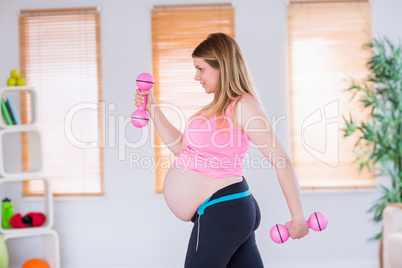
[[380, 139]]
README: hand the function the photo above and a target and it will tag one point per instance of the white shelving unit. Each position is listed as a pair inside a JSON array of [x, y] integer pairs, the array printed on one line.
[[51, 248], [15, 91], [34, 144], [51, 245]]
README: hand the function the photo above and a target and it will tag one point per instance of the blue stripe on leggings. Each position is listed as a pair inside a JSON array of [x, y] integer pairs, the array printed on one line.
[[208, 203]]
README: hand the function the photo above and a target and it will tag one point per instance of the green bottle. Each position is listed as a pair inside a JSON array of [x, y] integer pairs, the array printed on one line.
[[6, 213]]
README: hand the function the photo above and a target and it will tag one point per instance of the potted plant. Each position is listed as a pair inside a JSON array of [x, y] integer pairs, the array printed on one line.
[[380, 134]]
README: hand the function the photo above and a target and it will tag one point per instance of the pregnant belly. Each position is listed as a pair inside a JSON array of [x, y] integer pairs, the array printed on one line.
[[185, 190]]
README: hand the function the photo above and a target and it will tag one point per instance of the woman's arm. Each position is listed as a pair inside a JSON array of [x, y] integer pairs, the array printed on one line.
[[254, 122], [170, 135]]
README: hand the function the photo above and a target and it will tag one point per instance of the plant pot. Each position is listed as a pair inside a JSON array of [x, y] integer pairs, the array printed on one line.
[[395, 205]]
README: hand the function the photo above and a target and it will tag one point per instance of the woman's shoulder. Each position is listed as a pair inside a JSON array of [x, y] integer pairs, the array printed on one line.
[[247, 109], [249, 104], [248, 95], [243, 98], [246, 102]]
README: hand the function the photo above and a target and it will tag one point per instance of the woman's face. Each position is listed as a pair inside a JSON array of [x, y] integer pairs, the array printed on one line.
[[206, 75]]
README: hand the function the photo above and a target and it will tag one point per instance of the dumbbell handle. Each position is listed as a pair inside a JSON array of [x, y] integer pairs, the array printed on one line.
[[317, 222], [142, 106]]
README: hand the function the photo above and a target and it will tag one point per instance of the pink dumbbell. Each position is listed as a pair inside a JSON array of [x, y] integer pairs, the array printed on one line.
[[317, 222], [140, 118]]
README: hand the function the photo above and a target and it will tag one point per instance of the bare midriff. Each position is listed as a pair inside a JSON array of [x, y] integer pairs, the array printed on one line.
[[185, 190]]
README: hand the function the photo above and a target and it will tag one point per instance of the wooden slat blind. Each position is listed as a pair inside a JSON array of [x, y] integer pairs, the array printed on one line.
[[60, 57], [325, 48], [176, 31]]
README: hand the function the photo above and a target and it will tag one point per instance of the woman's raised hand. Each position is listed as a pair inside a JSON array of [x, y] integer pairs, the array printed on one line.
[[139, 98]]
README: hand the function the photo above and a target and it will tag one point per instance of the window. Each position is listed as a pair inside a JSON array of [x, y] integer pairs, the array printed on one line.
[[176, 31], [60, 57], [326, 51]]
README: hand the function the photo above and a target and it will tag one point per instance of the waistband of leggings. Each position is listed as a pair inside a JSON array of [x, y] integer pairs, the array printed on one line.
[[234, 188], [229, 197]]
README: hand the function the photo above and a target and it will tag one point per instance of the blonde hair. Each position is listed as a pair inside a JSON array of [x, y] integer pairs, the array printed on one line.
[[222, 52]]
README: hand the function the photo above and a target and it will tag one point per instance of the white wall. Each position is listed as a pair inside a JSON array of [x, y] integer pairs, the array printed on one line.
[[132, 226]]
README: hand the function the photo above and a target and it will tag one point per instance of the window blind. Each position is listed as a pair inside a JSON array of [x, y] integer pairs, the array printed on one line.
[[326, 52], [176, 31], [60, 57]]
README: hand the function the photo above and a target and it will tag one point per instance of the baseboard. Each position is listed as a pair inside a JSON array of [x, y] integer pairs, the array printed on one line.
[[97, 266], [134, 266], [345, 264], [127, 266]]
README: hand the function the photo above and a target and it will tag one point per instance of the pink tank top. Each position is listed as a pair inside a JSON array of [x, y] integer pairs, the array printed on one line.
[[216, 153]]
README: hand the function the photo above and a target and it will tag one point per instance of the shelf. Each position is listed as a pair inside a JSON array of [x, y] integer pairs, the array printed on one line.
[[10, 166], [33, 242], [50, 248], [15, 93], [48, 207]]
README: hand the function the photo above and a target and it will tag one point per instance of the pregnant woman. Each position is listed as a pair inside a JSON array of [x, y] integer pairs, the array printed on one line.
[[205, 184]]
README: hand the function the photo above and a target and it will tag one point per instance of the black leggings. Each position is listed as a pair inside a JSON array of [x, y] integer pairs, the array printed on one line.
[[224, 235]]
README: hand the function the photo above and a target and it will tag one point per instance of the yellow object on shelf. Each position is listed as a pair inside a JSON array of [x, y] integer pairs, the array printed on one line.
[[3, 254]]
